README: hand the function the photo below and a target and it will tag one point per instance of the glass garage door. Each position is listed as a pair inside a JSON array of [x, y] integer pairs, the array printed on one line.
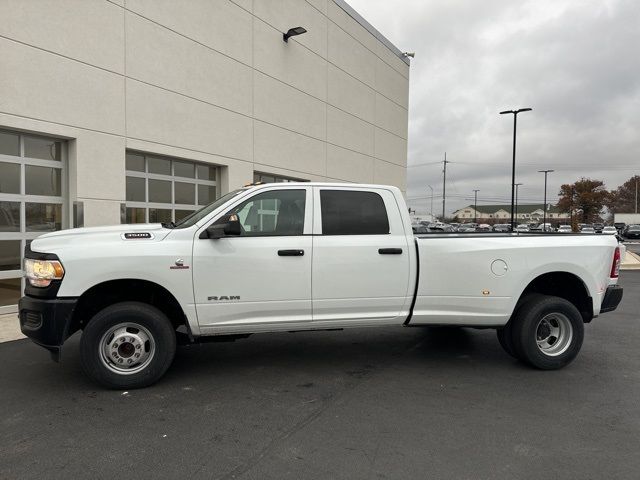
[[32, 187], [163, 189]]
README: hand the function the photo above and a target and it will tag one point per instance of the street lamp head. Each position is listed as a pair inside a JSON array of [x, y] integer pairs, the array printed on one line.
[[545, 171], [515, 112], [292, 32]]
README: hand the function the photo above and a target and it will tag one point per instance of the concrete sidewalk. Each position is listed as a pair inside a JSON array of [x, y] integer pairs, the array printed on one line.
[[10, 328], [631, 261]]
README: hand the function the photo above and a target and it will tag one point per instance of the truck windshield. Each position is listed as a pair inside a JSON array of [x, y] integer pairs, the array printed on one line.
[[198, 215]]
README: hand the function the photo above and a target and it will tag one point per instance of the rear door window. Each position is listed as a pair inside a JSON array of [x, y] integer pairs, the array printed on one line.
[[350, 212]]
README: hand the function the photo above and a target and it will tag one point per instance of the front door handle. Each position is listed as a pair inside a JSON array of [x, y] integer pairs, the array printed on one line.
[[390, 251], [290, 253]]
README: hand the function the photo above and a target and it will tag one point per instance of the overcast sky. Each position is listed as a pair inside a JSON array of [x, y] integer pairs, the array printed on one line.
[[576, 63]]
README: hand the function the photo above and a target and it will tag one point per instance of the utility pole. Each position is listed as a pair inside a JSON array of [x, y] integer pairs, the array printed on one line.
[[431, 211], [475, 206], [544, 221], [636, 194], [444, 184], [516, 210]]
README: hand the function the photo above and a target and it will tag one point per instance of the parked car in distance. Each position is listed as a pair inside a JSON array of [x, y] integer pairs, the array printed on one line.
[[588, 230], [565, 229], [466, 228], [440, 227], [523, 227], [598, 227], [502, 227], [632, 231], [610, 230], [619, 225], [419, 228], [483, 227]]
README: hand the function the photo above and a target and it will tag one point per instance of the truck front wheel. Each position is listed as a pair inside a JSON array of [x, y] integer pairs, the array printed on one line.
[[547, 332], [128, 345]]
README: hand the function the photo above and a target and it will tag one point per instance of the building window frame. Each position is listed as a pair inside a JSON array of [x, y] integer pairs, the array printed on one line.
[[173, 179], [25, 235], [260, 177]]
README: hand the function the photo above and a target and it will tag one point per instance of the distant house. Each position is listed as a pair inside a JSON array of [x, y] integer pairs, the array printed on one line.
[[502, 213]]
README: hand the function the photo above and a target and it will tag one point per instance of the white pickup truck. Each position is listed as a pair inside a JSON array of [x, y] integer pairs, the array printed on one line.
[[305, 256]]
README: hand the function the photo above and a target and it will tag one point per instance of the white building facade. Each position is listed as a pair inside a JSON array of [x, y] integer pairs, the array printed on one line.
[[116, 111], [502, 214]]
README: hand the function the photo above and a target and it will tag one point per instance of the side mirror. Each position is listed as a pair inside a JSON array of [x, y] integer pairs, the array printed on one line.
[[228, 226], [233, 228]]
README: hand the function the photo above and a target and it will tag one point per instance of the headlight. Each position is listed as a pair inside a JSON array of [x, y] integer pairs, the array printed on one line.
[[41, 272]]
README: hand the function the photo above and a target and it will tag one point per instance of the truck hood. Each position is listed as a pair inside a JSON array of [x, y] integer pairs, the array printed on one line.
[[73, 237]]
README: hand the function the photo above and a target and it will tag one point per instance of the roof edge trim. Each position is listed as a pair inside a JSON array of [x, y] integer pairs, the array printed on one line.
[[371, 29]]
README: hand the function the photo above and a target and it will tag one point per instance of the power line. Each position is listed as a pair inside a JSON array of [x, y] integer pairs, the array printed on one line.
[[424, 164]]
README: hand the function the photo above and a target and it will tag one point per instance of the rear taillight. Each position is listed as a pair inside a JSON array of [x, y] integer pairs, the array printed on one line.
[[615, 266]]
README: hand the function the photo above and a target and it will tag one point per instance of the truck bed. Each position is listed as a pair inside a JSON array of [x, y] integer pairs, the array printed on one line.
[[477, 278]]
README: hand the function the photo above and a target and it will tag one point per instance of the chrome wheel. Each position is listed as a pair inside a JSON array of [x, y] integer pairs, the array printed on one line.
[[126, 348], [554, 334]]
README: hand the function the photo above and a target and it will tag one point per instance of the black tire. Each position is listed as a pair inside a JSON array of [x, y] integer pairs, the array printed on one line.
[[158, 350], [553, 321], [505, 334], [504, 337]]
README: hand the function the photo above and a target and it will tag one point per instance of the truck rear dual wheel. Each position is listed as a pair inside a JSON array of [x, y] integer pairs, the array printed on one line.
[[546, 332], [127, 345]]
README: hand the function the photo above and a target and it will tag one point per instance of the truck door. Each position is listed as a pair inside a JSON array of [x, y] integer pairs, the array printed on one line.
[[264, 274], [360, 256]]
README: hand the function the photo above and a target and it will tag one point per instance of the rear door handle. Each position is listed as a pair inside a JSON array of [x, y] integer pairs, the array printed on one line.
[[390, 251], [290, 253]]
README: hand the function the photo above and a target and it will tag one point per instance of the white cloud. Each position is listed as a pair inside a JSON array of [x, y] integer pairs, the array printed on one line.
[[574, 61]]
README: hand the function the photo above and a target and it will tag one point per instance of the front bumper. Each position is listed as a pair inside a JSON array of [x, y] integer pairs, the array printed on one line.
[[612, 298], [47, 321]]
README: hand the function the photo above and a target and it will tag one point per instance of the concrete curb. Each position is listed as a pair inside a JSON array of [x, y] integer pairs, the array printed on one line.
[[10, 328]]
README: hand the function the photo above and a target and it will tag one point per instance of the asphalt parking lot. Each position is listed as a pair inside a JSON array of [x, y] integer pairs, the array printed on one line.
[[359, 404]]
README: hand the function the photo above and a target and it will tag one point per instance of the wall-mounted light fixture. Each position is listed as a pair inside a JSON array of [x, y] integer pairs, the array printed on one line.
[[292, 32], [409, 54]]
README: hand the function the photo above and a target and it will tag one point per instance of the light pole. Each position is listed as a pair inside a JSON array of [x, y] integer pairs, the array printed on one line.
[[431, 201], [513, 165], [475, 206], [544, 215], [517, 185], [444, 184]]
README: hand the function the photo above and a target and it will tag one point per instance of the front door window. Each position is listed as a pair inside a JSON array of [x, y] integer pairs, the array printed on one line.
[[279, 212]]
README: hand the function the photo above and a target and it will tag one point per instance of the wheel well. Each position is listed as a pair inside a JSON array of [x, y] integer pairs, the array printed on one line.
[[115, 291], [564, 285]]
